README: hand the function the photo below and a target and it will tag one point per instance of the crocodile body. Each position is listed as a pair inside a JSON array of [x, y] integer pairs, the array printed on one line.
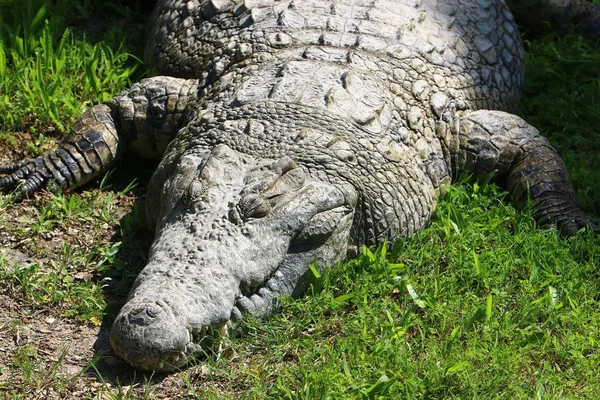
[[295, 131]]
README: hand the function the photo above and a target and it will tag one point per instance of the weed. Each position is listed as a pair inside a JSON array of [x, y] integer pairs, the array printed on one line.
[[52, 70], [36, 374]]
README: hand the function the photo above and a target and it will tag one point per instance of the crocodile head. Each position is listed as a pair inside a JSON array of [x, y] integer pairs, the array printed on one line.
[[233, 233]]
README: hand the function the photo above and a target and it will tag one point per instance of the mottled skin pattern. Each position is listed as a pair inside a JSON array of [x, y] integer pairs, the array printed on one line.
[[294, 131]]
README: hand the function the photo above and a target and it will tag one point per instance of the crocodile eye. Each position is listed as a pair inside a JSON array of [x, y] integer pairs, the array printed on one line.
[[253, 205], [194, 192]]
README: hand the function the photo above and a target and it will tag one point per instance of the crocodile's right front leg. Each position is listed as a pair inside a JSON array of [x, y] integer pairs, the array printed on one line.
[[144, 118], [92, 148]]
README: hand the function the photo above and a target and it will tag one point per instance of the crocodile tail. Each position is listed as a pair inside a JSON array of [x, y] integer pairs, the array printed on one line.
[[533, 14]]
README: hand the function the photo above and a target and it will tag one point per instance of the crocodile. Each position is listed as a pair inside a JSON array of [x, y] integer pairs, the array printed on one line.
[[291, 132]]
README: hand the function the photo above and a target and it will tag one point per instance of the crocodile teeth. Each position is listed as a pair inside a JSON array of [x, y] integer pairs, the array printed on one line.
[[223, 331]]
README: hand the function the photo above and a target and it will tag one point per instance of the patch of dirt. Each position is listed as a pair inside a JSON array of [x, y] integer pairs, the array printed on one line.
[[55, 349], [45, 340], [43, 353]]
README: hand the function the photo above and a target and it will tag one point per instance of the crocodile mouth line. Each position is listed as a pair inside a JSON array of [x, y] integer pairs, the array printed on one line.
[[200, 343]]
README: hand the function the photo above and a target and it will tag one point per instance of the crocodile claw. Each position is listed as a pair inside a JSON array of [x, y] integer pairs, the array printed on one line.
[[25, 178]]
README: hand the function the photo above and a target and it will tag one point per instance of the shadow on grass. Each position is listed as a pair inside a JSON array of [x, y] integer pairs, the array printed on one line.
[[133, 240]]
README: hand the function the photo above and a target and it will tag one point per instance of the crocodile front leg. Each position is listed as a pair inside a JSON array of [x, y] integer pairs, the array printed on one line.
[[145, 118], [92, 148], [531, 169]]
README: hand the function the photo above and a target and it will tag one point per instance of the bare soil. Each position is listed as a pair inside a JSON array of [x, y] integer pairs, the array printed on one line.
[[43, 353]]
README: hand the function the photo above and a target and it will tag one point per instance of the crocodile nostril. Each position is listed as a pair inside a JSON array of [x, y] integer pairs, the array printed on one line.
[[144, 315]]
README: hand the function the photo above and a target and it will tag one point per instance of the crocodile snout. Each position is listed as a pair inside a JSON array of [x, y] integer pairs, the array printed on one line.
[[150, 337], [144, 315], [235, 234]]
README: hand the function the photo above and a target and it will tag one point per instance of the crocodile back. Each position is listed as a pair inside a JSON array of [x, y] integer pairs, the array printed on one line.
[[470, 50], [363, 92]]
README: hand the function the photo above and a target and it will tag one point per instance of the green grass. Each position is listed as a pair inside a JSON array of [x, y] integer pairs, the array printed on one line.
[[48, 74], [481, 304], [560, 98], [467, 310]]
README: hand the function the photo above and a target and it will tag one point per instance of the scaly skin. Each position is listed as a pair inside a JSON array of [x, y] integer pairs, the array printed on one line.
[[293, 131]]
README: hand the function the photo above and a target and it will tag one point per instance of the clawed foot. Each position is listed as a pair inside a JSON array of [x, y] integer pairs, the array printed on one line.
[[569, 223], [27, 177]]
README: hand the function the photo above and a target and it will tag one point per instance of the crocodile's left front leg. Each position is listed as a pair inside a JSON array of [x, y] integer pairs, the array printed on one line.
[[144, 118], [531, 169]]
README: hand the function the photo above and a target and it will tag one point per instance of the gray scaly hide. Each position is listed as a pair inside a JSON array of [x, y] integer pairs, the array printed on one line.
[[295, 131]]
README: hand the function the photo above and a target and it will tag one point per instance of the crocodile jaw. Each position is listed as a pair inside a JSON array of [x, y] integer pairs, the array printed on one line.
[[238, 233]]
